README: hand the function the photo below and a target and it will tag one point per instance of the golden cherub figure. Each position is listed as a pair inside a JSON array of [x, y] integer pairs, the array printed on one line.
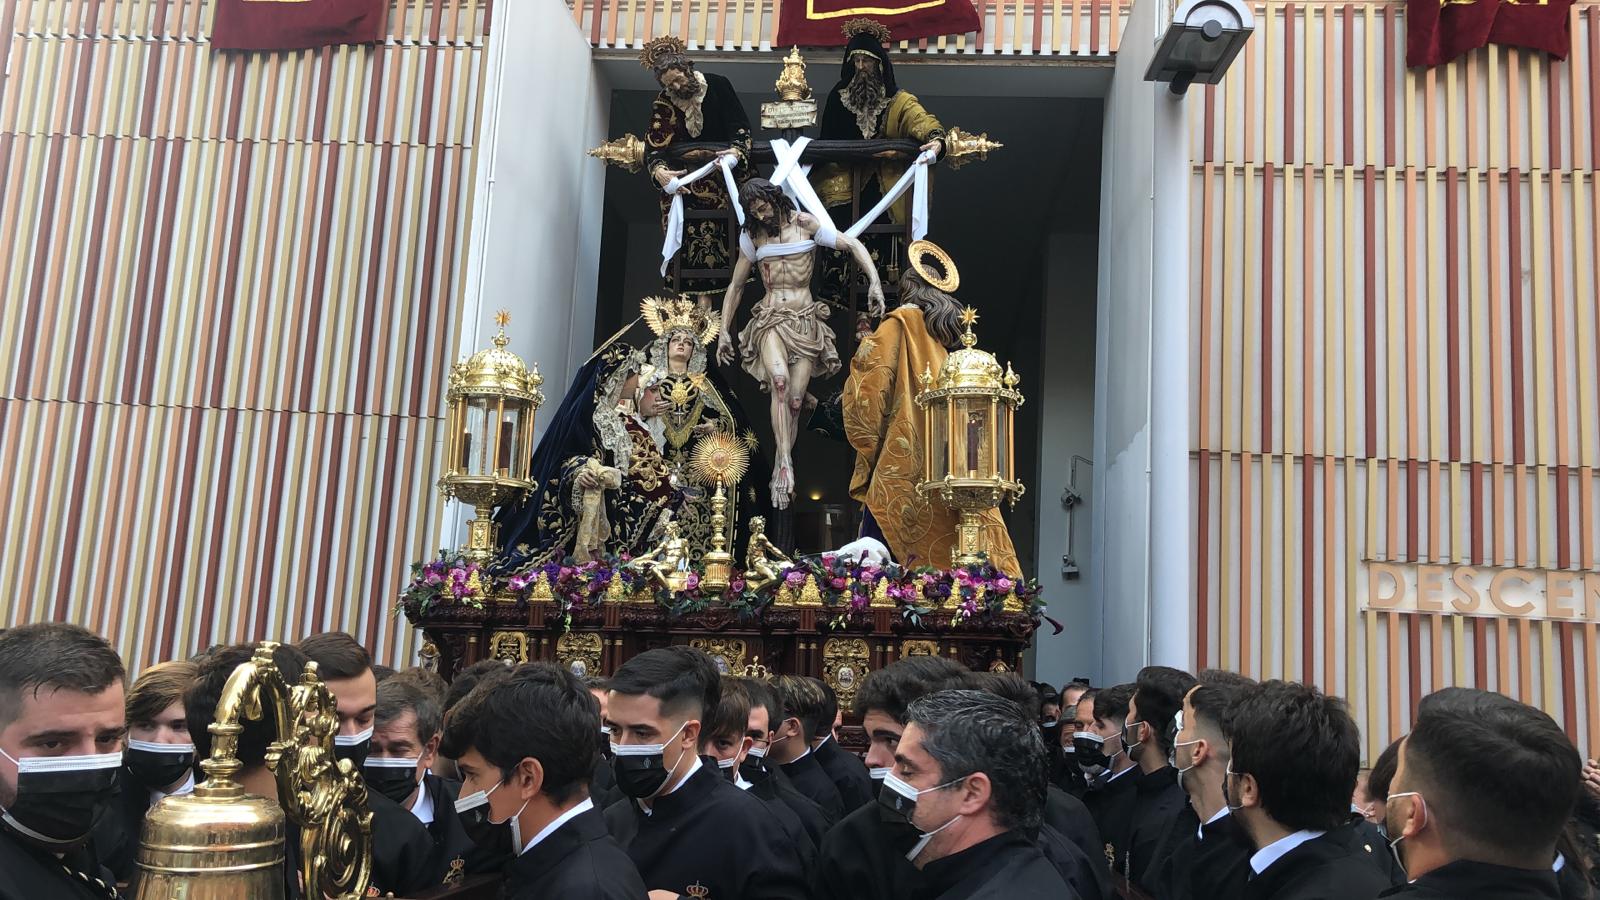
[[760, 555], [667, 563]]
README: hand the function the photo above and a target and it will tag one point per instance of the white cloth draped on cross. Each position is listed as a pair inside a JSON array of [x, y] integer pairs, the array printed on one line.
[[792, 176]]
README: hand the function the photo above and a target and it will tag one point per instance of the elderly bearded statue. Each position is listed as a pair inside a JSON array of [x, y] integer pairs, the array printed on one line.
[[786, 343]]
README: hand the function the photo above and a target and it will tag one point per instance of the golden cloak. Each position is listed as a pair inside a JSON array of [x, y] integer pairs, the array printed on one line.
[[905, 119], [884, 425]]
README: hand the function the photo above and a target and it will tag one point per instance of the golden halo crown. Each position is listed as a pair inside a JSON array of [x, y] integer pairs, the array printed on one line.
[[867, 26], [665, 315], [660, 47], [754, 669], [944, 275]]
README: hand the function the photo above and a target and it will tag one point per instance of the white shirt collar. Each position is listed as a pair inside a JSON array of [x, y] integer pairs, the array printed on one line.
[[186, 788], [1276, 850], [422, 807], [559, 821], [681, 782], [825, 738], [1111, 778], [1201, 831], [741, 784], [1560, 863]]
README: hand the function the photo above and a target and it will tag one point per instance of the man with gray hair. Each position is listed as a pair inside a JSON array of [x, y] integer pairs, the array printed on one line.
[[970, 776]]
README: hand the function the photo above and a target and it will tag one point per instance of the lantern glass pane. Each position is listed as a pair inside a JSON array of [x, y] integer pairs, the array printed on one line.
[[473, 427], [1002, 449], [941, 441], [975, 451], [510, 463]]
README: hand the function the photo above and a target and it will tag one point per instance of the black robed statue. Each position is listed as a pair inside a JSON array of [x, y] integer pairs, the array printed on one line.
[[601, 485]]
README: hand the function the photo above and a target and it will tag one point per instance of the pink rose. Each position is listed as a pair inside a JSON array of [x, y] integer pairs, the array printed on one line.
[[1003, 585], [795, 577], [693, 581]]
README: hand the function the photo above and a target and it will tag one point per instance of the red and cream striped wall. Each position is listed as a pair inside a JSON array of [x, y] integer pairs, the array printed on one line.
[[1395, 335], [229, 288]]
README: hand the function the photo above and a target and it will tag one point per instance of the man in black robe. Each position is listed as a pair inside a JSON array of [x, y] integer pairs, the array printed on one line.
[[1295, 755], [766, 779], [700, 108], [842, 767], [1158, 798], [726, 740], [688, 829], [1464, 836], [405, 744], [1205, 853], [523, 746], [1113, 777], [803, 703], [401, 848], [61, 696], [969, 776]]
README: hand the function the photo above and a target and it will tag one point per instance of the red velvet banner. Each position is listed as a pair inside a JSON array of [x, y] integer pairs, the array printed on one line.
[[296, 24], [1437, 32], [820, 23]]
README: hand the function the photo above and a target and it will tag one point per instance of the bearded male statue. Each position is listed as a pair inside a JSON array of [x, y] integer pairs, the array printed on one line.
[[786, 343]]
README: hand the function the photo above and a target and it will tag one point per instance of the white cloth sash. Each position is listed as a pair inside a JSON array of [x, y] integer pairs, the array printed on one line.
[[673, 239]]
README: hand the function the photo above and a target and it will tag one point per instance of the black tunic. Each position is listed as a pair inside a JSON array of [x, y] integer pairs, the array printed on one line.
[[116, 835], [1005, 867], [1087, 876], [793, 829], [402, 850], [579, 859], [1112, 805], [1323, 868], [30, 874], [1194, 867], [810, 780], [1157, 802], [863, 858], [455, 856], [603, 788], [774, 785], [1068, 815], [709, 834], [847, 772], [1465, 880]]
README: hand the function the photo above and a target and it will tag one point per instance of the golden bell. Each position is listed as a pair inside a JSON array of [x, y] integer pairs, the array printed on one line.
[[218, 843]]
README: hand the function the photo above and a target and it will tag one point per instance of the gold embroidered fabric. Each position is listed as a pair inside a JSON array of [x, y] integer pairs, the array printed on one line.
[[905, 120], [884, 425]]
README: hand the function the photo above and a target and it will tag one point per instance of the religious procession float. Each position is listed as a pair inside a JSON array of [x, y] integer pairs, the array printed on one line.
[[640, 518]]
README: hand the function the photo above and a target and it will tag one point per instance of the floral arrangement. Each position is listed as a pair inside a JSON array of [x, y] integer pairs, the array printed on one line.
[[846, 586]]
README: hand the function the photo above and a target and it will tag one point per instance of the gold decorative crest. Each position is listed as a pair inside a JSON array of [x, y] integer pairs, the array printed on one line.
[[867, 26], [665, 315], [579, 652], [660, 47], [509, 646], [918, 648], [844, 665], [727, 653]]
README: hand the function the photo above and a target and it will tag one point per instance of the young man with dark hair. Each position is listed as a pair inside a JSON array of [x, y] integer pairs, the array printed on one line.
[[689, 831], [1069, 777], [62, 721], [803, 707], [1294, 757], [766, 779], [1111, 774], [402, 850], [407, 729], [523, 744], [1205, 854], [1157, 798], [969, 776], [158, 762], [842, 767], [726, 740], [472, 676], [1460, 835], [864, 856]]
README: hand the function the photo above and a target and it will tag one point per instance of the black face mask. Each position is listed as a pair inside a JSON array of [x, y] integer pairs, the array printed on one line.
[[900, 834], [605, 742], [60, 798], [640, 775], [157, 766], [353, 747], [493, 838], [1089, 752], [393, 778]]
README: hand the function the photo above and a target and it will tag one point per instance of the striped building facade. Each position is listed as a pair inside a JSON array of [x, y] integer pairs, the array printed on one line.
[[233, 282]]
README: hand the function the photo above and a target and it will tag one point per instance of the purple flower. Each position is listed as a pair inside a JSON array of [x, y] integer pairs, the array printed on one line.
[[827, 559], [859, 602], [434, 578], [519, 582], [1003, 585], [838, 584], [693, 581], [795, 577], [736, 586]]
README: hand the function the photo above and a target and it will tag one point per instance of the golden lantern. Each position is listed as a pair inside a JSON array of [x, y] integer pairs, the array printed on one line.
[[493, 397], [969, 437]]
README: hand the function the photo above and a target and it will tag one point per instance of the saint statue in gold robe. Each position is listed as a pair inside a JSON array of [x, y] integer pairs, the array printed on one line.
[[884, 425]]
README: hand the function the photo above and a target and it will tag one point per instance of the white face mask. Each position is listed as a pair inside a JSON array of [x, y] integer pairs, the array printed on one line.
[[1174, 760], [758, 751], [1394, 845], [516, 827], [353, 740], [880, 774]]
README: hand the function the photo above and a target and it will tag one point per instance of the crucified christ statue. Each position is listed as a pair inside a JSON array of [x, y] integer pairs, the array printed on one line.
[[787, 343]]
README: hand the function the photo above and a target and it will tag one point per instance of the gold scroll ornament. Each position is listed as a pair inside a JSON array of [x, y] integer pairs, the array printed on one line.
[[222, 842], [844, 665], [579, 653], [727, 653]]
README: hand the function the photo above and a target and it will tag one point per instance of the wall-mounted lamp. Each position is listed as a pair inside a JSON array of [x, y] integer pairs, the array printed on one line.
[[1201, 42]]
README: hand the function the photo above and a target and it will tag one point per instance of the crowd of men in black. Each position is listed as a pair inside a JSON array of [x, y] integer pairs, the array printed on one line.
[[672, 780]]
